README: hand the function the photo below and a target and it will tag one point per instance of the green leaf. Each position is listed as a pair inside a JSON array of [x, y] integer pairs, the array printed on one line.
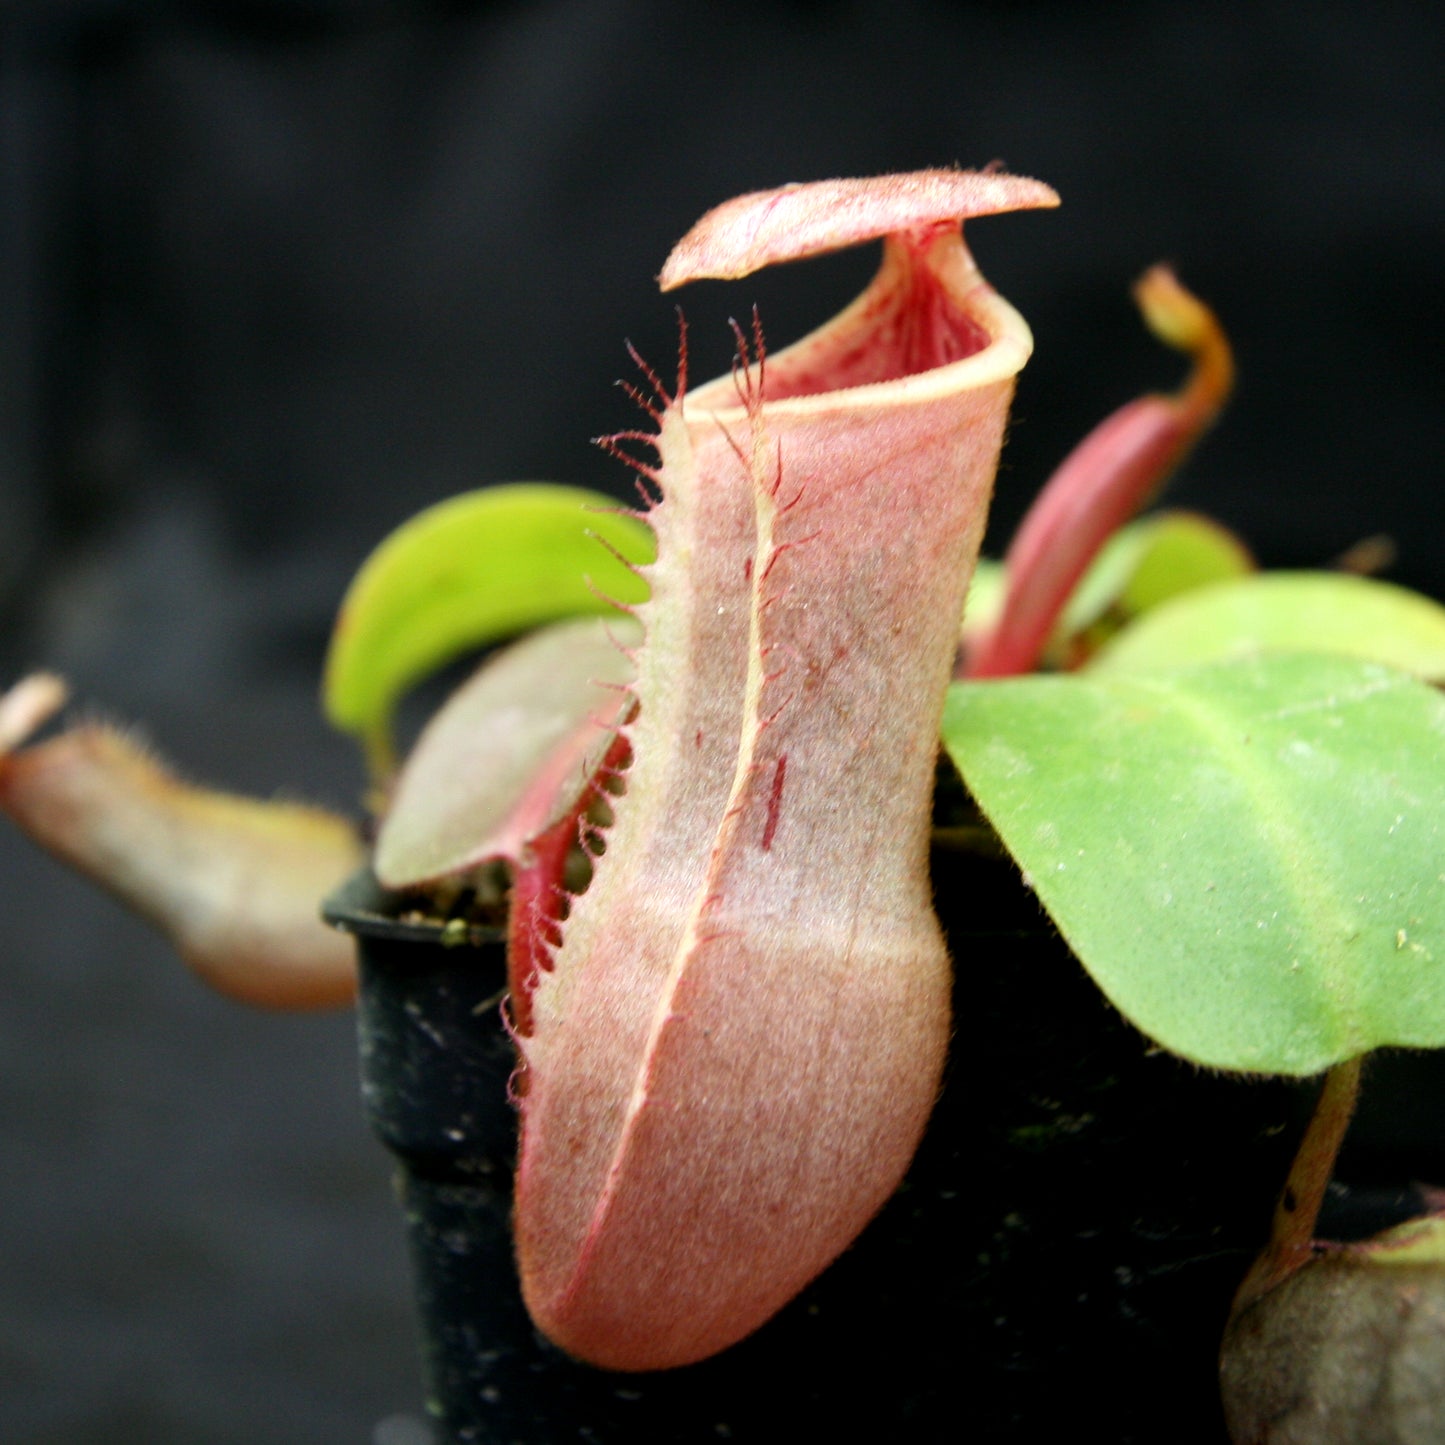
[[1416, 1241], [464, 573], [1141, 566], [985, 597], [1286, 611], [1248, 857], [1151, 560]]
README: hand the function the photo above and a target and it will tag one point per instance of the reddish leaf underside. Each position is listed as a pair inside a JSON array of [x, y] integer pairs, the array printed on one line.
[[509, 753]]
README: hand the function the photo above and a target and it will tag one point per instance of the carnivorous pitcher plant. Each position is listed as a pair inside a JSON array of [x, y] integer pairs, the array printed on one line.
[[705, 785]]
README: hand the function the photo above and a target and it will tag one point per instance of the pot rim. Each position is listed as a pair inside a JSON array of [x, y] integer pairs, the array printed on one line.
[[364, 908]]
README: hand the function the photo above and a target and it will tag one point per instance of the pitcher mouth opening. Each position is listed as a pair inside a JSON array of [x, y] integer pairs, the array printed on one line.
[[928, 323]]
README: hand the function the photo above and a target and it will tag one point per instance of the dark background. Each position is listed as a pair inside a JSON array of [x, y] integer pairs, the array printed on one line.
[[277, 275]]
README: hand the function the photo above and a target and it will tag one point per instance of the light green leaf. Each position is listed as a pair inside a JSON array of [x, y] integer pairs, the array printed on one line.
[[1286, 611], [1248, 857], [1142, 565], [464, 573], [985, 597], [1151, 560], [1416, 1241]]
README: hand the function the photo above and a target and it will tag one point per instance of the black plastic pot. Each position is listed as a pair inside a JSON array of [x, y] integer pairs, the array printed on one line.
[[1062, 1254]]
